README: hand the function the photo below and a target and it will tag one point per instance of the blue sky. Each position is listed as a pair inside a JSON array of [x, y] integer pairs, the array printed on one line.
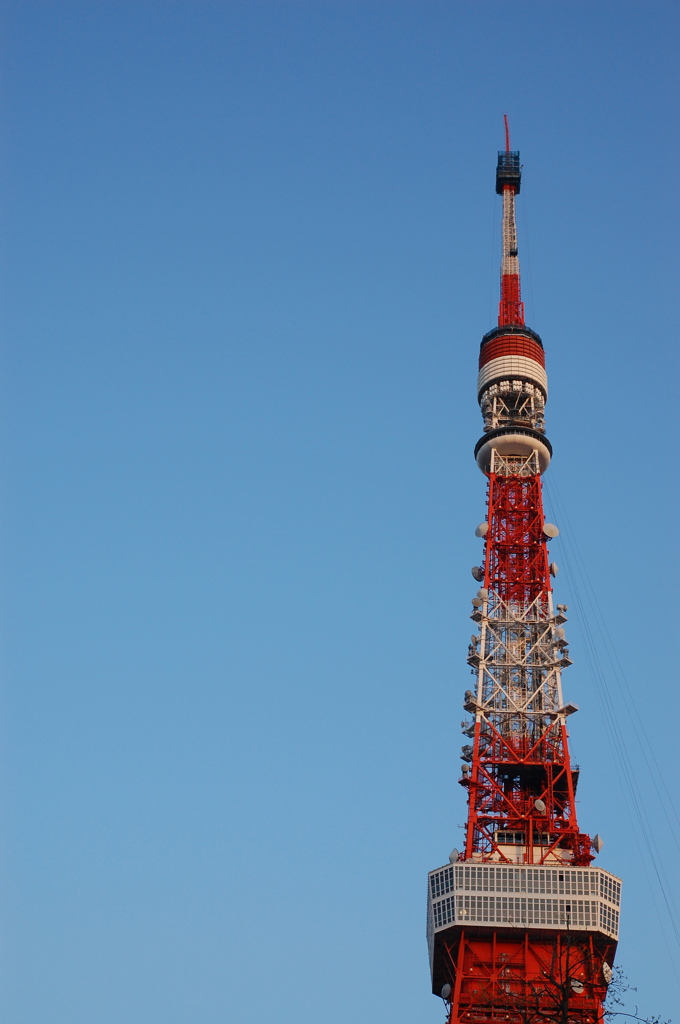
[[249, 251]]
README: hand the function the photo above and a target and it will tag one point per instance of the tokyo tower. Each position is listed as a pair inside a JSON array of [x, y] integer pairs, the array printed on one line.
[[521, 927]]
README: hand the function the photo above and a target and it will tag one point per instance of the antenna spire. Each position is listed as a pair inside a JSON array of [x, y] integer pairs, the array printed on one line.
[[508, 180]]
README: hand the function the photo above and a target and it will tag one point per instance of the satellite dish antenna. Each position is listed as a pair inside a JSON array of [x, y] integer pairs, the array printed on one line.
[[477, 602], [446, 993], [550, 530], [598, 843], [453, 856], [540, 806], [478, 573], [577, 986], [482, 593], [607, 973], [554, 568], [482, 530]]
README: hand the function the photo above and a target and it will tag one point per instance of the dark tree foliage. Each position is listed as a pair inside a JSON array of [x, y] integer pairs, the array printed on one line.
[[614, 1004]]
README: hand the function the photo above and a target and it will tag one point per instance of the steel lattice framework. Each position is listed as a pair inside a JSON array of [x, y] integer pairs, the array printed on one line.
[[522, 928]]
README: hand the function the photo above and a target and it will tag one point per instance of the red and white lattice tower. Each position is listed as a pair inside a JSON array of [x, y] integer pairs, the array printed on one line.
[[522, 928]]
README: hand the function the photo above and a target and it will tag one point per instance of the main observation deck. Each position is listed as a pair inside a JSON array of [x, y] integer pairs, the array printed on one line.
[[501, 896]]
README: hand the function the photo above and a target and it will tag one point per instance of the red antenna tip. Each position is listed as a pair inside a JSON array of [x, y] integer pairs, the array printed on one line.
[[507, 133]]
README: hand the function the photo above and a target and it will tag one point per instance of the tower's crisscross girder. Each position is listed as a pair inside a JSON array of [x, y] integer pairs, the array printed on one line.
[[521, 926]]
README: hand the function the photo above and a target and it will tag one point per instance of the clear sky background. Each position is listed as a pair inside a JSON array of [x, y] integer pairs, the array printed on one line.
[[248, 254]]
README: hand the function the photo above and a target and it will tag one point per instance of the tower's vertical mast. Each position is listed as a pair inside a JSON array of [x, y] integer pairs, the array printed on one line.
[[508, 175], [519, 923]]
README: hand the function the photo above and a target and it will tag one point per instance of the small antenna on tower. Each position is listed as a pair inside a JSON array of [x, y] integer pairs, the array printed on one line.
[[507, 133]]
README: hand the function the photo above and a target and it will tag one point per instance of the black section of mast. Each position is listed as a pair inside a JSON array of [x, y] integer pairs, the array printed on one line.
[[508, 171]]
